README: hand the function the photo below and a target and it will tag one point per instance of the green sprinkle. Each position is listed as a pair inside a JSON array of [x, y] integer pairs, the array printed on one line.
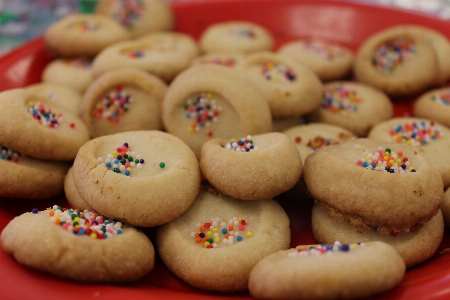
[[162, 165]]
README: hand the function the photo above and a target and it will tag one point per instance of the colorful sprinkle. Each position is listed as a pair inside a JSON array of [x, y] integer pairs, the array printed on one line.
[[8, 154], [215, 231], [84, 222], [441, 98], [112, 106], [386, 161], [339, 99], [122, 160], [162, 165], [127, 12], [44, 115], [85, 26], [415, 133], [203, 110], [227, 62], [277, 73], [35, 210], [392, 54], [79, 63], [324, 249], [325, 49], [134, 54], [319, 142], [242, 32], [242, 145]]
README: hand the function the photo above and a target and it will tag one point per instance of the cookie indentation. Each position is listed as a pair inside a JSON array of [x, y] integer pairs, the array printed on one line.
[[9, 155], [326, 50], [122, 160], [340, 100], [277, 73], [386, 161], [416, 133], [214, 232], [388, 56], [113, 105], [325, 249], [319, 142], [242, 145], [202, 110], [44, 115]]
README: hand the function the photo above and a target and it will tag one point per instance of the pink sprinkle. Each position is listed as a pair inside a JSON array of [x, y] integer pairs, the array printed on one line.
[[241, 227], [359, 162]]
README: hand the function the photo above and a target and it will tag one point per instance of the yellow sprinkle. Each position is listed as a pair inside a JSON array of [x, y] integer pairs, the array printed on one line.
[[216, 229], [190, 129], [209, 95], [398, 161], [206, 244], [368, 158], [408, 143], [217, 240], [209, 233], [76, 219], [115, 153], [129, 169], [56, 216], [93, 235], [240, 219], [249, 234]]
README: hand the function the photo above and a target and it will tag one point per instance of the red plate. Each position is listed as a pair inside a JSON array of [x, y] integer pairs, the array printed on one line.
[[348, 23]]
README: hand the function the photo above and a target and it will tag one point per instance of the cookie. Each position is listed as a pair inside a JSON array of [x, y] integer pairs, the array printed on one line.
[[72, 196], [80, 245], [415, 246], [313, 136], [428, 138], [138, 17], [332, 271], [81, 35], [64, 96], [137, 176], [77, 73], [210, 101], [434, 105], [329, 60], [227, 59], [199, 246], [235, 166], [396, 61], [382, 185], [46, 130], [30, 178], [164, 54], [241, 36], [445, 207], [291, 89], [122, 100], [354, 106]]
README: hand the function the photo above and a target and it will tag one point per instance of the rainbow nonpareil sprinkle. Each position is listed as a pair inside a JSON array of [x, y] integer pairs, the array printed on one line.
[[79, 63], [322, 249], [9, 155], [277, 72], [388, 56], [242, 145], [203, 110], [122, 160], [44, 115], [442, 98], [242, 32], [85, 26], [325, 49], [113, 105], [415, 133], [127, 12], [134, 54], [339, 99], [83, 222], [227, 62], [386, 161], [319, 142], [215, 231]]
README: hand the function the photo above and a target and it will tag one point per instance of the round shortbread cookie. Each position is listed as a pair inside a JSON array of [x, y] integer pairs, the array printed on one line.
[[396, 61], [242, 36], [428, 138], [143, 186], [291, 89], [374, 184], [354, 106], [72, 196], [253, 168], [46, 131], [138, 17], [227, 59], [313, 136], [336, 271], [445, 207], [415, 246], [122, 100], [241, 233], [64, 96], [73, 72], [30, 178], [209, 101], [164, 54], [329, 60], [52, 242], [83, 35], [434, 105]]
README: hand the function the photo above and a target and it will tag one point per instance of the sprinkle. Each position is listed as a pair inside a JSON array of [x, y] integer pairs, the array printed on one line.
[[386, 161], [203, 110], [119, 160], [242, 145], [217, 231], [9, 155], [112, 106], [79, 63], [319, 142], [127, 12], [227, 62], [324, 249], [85, 26], [162, 165], [298, 139], [35, 210], [392, 54], [242, 32], [277, 73], [44, 115], [441, 98], [326, 49], [339, 99], [134, 54], [416, 133]]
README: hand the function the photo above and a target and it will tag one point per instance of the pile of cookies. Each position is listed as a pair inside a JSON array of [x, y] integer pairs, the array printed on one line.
[[200, 138]]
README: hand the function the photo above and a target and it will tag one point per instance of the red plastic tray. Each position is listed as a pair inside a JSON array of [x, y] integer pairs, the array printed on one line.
[[348, 23]]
